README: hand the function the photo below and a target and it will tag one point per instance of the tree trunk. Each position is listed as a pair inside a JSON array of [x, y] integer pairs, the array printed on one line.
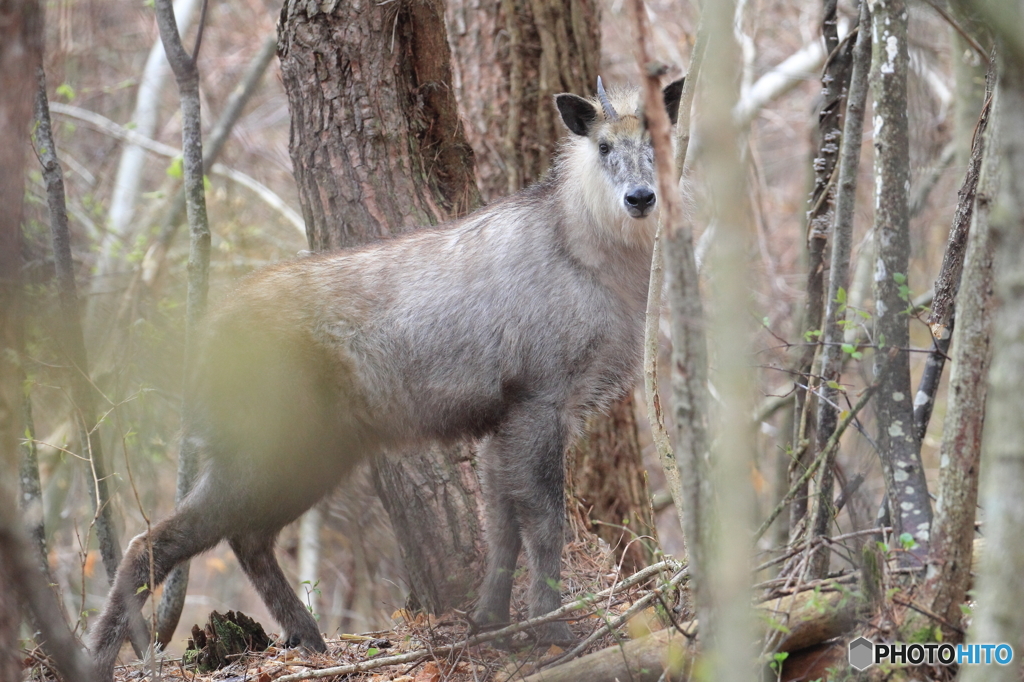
[[378, 150], [20, 52], [899, 448], [509, 60], [949, 560], [838, 283], [834, 82], [998, 617], [186, 74], [21, 582]]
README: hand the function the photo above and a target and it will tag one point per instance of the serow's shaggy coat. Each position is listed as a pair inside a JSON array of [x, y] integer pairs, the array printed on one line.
[[509, 325]]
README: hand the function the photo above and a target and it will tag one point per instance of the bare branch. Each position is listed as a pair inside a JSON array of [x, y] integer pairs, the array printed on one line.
[[108, 127]]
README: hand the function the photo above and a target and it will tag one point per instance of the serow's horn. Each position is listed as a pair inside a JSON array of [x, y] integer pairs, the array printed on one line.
[[609, 110]]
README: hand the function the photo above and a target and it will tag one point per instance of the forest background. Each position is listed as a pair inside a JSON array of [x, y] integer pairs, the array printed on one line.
[[130, 262]]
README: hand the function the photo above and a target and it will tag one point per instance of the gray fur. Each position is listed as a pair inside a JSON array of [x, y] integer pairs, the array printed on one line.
[[510, 325]]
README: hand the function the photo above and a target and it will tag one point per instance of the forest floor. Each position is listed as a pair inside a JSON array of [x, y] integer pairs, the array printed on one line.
[[435, 649]]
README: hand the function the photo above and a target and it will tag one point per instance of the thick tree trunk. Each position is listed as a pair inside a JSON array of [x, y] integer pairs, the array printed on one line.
[[378, 150], [509, 60]]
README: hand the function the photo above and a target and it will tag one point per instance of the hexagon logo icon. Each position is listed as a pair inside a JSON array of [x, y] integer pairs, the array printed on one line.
[[862, 653]]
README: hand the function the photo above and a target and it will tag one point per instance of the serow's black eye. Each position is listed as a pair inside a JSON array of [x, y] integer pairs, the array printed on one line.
[[604, 148]]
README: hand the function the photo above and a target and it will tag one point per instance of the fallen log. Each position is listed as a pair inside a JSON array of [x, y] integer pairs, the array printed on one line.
[[797, 621]]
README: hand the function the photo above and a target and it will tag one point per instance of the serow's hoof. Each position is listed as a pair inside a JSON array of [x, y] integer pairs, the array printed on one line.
[[315, 645], [555, 633]]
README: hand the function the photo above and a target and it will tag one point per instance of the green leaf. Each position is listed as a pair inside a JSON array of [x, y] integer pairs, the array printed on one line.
[[372, 651], [849, 348], [834, 385], [856, 355], [881, 340], [176, 169], [206, 183], [899, 278], [66, 91], [841, 296], [907, 541]]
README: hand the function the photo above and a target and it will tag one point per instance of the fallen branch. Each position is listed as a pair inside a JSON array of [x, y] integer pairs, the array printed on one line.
[[806, 618], [434, 651]]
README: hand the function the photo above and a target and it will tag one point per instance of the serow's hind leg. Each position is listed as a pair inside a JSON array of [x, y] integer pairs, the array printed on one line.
[[256, 555], [177, 538]]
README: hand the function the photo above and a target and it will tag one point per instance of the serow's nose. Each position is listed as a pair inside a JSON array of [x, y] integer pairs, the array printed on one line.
[[640, 199]]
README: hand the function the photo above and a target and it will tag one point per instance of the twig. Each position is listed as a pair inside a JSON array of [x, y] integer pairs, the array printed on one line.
[[420, 654], [108, 127], [833, 442], [968, 38], [609, 625]]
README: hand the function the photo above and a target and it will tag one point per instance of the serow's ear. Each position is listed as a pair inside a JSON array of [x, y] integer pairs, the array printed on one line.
[[671, 93], [577, 113]]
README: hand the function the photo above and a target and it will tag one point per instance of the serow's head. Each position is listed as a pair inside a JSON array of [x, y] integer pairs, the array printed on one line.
[[614, 131]]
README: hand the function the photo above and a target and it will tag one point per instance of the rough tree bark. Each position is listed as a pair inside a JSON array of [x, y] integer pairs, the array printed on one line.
[[839, 274], [949, 558], [998, 616], [498, 48], [947, 284], [834, 81], [378, 150], [510, 58]]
